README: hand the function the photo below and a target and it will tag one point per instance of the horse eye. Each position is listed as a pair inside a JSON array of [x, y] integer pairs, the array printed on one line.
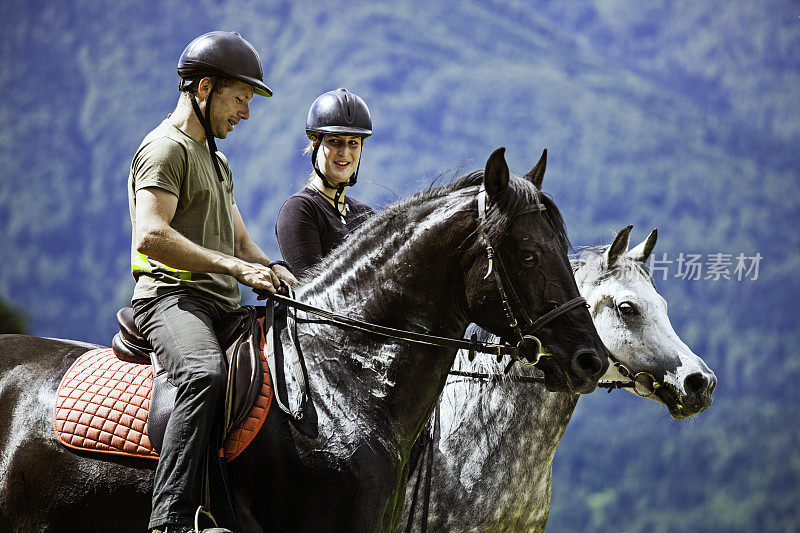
[[529, 258], [627, 308]]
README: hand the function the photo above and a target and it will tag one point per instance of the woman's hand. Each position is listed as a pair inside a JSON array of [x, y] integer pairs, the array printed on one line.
[[284, 274]]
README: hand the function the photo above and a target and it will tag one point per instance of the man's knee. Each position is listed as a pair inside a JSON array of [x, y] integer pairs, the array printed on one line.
[[207, 378]]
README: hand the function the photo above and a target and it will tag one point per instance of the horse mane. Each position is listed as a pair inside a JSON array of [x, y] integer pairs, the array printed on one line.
[[390, 228], [623, 266]]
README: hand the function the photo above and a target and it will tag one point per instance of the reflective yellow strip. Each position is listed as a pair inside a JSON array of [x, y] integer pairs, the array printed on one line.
[[139, 264]]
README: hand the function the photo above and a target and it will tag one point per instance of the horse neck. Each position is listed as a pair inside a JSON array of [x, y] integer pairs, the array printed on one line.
[[491, 430], [392, 273], [506, 415], [396, 258]]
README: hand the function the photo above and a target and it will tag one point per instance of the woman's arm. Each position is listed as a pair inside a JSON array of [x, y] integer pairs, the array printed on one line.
[[299, 234]]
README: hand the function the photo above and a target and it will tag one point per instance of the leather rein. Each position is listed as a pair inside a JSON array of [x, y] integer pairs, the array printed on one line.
[[643, 383]]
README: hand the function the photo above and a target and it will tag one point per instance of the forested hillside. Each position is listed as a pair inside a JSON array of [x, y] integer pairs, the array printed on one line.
[[679, 115]]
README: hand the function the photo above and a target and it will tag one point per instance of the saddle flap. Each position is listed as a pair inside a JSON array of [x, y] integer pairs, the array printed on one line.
[[105, 405], [241, 338], [245, 372]]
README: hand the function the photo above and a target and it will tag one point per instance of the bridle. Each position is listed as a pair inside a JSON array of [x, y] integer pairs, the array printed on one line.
[[643, 383], [524, 333]]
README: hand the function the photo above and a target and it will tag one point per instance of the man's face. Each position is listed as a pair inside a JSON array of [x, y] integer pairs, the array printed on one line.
[[230, 105]]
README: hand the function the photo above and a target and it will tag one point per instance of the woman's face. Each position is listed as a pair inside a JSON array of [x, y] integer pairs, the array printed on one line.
[[338, 157]]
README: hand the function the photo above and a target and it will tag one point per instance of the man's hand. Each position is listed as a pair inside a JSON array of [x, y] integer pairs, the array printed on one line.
[[256, 276]]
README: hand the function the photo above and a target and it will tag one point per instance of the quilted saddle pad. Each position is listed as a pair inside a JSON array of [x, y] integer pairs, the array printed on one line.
[[102, 405]]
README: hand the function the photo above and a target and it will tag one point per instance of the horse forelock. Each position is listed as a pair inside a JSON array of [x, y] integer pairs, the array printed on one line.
[[518, 198]]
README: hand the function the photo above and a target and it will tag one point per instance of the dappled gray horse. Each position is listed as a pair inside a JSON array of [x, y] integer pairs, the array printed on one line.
[[495, 438]]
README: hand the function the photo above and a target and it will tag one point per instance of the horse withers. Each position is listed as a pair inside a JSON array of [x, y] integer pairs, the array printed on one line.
[[421, 265], [491, 464]]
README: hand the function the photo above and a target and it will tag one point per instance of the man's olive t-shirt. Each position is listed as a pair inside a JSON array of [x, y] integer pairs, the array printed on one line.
[[171, 160]]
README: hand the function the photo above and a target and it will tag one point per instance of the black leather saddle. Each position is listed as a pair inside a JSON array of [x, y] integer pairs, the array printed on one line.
[[241, 339]]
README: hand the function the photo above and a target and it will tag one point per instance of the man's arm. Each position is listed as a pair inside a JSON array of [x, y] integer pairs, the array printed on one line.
[[156, 239], [245, 248]]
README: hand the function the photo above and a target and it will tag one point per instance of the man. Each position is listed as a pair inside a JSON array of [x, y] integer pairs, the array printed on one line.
[[189, 249]]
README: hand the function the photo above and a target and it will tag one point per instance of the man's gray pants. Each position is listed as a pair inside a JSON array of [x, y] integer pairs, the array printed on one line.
[[181, 326]]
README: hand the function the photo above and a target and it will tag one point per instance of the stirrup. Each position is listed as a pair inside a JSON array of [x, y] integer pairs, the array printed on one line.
[[215, 529]]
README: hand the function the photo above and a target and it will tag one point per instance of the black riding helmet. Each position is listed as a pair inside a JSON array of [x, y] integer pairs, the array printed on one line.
[[338, 112], [219, 54]]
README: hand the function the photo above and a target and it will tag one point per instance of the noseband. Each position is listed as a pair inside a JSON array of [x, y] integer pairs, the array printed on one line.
[[523, 333]]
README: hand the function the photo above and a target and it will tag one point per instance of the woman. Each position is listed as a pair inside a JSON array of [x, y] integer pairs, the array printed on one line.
[[316, 219]]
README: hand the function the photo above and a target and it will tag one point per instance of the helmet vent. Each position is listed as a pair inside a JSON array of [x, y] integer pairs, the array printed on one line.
[[348, 109]]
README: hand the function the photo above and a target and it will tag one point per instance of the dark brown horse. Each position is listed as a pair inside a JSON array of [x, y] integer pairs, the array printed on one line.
[[420, 265]]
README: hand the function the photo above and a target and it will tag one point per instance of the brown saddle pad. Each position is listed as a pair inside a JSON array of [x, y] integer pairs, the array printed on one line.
[[103, 402]]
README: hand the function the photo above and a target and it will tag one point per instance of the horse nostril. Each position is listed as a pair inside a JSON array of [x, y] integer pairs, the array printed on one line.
[[697, 383], [713, 385], [586, 363]]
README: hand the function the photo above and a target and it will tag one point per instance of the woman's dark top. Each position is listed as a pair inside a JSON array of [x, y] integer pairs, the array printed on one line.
[[309, 227]]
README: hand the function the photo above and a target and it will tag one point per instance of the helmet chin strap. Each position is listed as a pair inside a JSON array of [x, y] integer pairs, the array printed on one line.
[[339, 188], [206, 123]]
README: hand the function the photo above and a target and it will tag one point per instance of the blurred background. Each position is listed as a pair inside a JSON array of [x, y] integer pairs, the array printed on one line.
[[680, 115]]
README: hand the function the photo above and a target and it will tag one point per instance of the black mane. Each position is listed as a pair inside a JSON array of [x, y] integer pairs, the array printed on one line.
[[391, 226]]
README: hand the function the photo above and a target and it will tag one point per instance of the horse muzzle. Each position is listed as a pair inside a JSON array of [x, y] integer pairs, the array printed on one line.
[[587, 367]]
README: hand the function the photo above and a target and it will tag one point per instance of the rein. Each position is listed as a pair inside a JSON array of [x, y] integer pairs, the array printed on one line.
[[473, 345]]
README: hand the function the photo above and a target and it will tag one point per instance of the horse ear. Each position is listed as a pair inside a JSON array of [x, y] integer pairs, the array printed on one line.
[[495, 176], [536, 174], [643, 250], [618, 247]]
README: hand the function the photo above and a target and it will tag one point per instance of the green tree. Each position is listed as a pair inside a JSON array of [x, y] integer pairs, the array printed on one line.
[[12, 320]]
